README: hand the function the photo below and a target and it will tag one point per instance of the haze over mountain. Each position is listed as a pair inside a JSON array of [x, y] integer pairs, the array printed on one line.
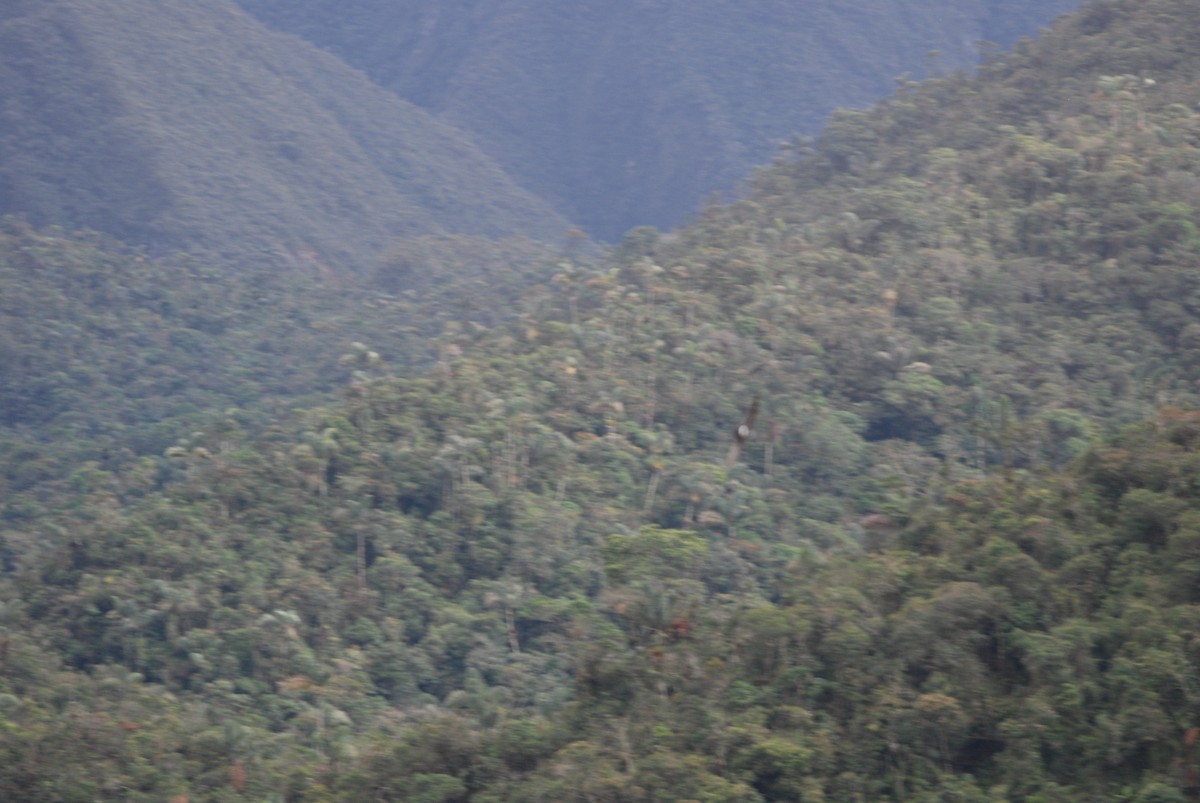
[[626, 113], [513, 559], [191, 126], [186, 124]]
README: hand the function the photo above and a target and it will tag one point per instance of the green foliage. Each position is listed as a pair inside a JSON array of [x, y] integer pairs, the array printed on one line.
[[514, 557], [653, 552]]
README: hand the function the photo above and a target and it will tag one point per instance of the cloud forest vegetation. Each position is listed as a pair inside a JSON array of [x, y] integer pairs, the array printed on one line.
[[272, 538]]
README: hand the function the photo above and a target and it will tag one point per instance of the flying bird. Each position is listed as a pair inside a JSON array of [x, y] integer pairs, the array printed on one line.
[[741, 434]]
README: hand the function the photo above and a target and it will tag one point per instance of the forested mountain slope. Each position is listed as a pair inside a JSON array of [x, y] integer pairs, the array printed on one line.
[[627, 113], [190, 126], [956, 560], [107, 355]]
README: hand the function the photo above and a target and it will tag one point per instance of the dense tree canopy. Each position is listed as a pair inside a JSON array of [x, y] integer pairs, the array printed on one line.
[[406, 541]]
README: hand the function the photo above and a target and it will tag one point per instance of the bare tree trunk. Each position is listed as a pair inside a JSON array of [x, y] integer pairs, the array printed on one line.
[[510, 623], [361, 560], [651, 490]]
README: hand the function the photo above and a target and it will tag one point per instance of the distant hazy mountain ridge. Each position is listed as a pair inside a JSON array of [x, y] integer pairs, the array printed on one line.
[[627, 114], [188, 125]]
